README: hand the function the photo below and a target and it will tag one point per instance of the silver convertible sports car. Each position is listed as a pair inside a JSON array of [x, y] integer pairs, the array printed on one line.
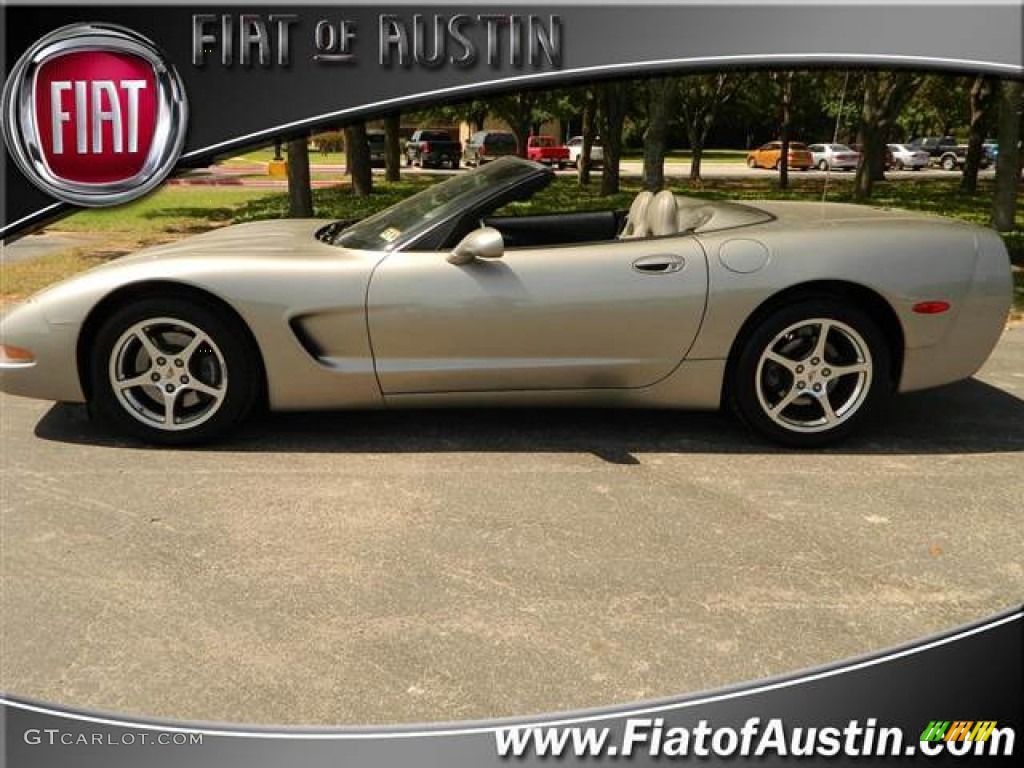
[[801, 317]]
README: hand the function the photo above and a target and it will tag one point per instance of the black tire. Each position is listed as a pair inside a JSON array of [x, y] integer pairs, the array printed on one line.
[[898, 165], [778, 165], [787, 333], [408, 160], [225, 361], [948, 163], [751, 162], [823, 165]]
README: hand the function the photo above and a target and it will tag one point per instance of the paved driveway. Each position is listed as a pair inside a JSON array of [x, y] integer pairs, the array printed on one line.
[[358, 568]]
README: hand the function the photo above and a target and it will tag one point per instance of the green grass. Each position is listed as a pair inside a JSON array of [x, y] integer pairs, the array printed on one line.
[[167, 214], [266, 155], [169, 211]]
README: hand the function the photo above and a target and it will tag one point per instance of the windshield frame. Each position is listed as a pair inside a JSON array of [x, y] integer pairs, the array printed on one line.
[[474, 201]]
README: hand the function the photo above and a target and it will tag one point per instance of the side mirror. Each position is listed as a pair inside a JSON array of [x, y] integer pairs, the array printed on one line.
[[485, 243]]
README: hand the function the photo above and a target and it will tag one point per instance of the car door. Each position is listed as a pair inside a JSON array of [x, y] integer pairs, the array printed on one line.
[[616, 314]]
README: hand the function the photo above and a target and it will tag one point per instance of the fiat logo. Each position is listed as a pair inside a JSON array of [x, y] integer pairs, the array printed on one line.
[[93, 115]]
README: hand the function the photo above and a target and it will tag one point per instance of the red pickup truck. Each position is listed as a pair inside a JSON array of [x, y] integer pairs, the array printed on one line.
[[547, 150]]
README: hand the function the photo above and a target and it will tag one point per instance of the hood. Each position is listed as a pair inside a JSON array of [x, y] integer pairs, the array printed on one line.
[[259, 239], [265, 247]]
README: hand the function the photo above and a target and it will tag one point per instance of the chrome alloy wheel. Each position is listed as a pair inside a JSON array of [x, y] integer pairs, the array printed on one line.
[[814, 375], [168, 374]]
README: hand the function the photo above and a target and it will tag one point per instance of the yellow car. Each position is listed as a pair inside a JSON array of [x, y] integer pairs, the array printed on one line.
[[770, 156]]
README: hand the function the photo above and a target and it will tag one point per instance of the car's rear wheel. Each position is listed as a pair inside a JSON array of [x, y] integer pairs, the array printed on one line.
[[823, 165], [751, 162], [173, 372], [778, 165], [948, 163], [811, 373]]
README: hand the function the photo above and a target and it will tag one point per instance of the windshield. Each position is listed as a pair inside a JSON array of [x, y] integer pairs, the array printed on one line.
[[402, 222]]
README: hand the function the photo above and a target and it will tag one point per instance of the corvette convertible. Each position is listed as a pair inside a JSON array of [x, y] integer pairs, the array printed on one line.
[[802, 318]]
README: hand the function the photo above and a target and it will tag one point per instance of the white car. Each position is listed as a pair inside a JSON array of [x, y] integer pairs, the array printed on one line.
[[834, 156], [575, 145], [906, 157]]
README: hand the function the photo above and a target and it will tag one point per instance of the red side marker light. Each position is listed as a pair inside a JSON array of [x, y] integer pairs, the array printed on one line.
[[931, 307]]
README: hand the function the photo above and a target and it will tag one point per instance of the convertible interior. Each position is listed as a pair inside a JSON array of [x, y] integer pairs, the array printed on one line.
[[650, 215]]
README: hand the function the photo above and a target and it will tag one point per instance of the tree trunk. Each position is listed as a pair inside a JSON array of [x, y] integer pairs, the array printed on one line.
[[392, 148], [867, 132], [300, 193], [981, 99], [696, 155], [658, 91], [1008, 164], [699, 99], [614, 98], [785, 127], [358, 153], [885, 95], [589, 132]]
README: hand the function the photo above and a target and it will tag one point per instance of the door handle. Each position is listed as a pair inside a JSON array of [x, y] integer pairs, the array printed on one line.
[[659, 264]]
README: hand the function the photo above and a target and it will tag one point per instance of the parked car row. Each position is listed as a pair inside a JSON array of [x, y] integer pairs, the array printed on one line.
[[435, 148], [913, 155]]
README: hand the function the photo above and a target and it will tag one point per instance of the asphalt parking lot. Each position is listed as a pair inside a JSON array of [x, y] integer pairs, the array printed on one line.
[[382, 567]]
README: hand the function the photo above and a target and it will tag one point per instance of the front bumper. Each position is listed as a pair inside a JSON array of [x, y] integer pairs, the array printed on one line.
[[53, 373]]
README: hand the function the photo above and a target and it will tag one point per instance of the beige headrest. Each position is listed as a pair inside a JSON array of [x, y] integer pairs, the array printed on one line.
[[663, 215], [636, 221]]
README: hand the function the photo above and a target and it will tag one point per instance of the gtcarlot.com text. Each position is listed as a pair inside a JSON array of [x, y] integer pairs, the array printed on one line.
[[57, 737]]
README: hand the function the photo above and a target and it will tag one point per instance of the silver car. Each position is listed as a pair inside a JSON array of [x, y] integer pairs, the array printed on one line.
[[904, 157], [800, 317], [834, 157]]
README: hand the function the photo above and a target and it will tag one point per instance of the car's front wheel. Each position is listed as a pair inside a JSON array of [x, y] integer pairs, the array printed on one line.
[[173, 372], [811, 373]]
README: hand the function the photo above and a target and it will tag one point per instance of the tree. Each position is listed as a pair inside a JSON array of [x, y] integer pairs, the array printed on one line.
[[473, 112], [939, 105], [613, 99], [357, 153], [589, 133], [392, 147], [517, 110], [700, 98], [300, 192], [659, 105], [785, 82], [981, 99], [1008, 164], [885, 95]]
